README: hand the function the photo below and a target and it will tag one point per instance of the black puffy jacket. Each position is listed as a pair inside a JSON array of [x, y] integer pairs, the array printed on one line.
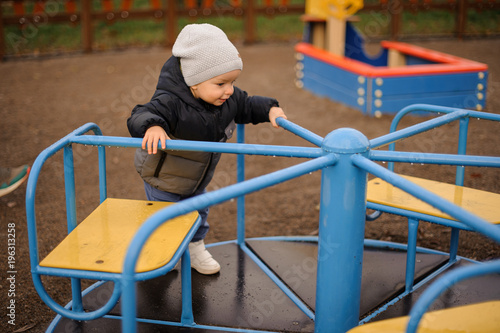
[[184, 117]]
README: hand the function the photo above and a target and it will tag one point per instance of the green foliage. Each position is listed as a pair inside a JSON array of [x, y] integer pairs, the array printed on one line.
[[428, 23], [31, 39], [120, 34], [35, 38]]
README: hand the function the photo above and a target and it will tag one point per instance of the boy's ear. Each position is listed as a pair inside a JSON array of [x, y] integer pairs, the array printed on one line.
[[194, 90]]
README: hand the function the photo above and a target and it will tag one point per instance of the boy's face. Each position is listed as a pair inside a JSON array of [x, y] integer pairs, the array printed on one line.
[[217, 89]]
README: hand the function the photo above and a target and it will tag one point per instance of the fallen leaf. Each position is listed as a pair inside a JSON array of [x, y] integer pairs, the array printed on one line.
[[25, 328]]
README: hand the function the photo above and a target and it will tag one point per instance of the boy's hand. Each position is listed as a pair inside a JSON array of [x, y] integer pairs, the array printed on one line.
[[153, 135], [274, 113]]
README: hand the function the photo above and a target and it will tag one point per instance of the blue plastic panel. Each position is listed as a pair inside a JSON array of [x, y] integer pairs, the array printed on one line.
[[340, 85], [424, 84], [461, 90]]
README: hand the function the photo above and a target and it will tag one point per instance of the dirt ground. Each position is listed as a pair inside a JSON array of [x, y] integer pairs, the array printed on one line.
[[41, 100]]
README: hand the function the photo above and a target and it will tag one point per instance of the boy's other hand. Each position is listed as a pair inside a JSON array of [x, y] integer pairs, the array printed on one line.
[[274, 113], [153, 135]]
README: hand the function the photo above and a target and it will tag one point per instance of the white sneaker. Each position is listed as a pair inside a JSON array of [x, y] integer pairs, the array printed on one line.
[[201, 259]]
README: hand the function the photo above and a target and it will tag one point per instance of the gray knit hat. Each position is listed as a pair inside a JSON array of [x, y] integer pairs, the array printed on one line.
[[205, 52]]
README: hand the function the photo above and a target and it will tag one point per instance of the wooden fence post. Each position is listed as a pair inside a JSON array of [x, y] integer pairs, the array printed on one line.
[[87, 25], [2, 34], [395, 11], [171, 20], [460, 18], [250, 22]]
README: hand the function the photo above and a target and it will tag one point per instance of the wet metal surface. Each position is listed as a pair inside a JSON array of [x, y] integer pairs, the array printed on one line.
[[242, 296], [383, 270], [475, 290]]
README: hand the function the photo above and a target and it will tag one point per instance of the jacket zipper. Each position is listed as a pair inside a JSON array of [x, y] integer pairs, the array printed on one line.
[[211, 155], [160, 164]]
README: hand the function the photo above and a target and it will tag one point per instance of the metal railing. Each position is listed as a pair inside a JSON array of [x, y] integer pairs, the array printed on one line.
[[345, 158]]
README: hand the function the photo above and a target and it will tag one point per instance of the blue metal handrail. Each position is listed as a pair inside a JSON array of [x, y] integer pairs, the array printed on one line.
[[63, 143], [344, 156], [444, 283], [469, 219], [448, 112], [416, 129], [461, 160], [215, 147]]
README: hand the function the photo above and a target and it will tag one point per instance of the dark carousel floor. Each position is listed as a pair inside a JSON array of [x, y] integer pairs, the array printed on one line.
[[242, 296]]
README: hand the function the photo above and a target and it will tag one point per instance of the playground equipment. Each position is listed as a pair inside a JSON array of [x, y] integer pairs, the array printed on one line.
[[330, 283], [332, 62]]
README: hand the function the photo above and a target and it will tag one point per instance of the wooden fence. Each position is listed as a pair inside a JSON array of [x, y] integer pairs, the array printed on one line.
[[83, 13]]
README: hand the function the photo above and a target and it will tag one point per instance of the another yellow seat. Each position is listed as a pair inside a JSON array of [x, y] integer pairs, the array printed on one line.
[[474, 318], [481, 203], [100, 242]]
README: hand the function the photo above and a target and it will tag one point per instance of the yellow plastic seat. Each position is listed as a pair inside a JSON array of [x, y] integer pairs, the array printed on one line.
[[99, 243], [481, 203], [474, 318]]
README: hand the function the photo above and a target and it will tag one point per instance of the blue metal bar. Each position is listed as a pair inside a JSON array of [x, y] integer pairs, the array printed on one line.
[[217, 147], [293, 297], [58, 317], [195, 326], [82, 315], [103, 187], [475, 222], [419, 216], [367, 242], [240, 177], [454, 239], [415, 129], [434, 109], [196, 203], [411, 253], [462, 149], [342, 198], [32, 183], [65, 144], [419, 108], [396, 299], [69, 184], [76, 292], [187, 317], [341, 234], [300, 131], [399, 246], [443, 283], [439, 109], [430, 158], [459, 180]]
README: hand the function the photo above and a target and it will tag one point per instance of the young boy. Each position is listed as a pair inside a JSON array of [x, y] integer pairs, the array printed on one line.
[[195, 99]]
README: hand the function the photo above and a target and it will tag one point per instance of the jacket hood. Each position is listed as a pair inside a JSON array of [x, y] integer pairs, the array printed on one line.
[[171, 81]]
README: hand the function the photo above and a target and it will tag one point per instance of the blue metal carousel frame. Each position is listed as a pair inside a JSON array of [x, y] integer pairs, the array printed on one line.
[[345, 157]]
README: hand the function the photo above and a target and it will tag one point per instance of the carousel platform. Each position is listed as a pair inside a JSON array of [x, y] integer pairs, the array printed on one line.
[[243, 298]]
